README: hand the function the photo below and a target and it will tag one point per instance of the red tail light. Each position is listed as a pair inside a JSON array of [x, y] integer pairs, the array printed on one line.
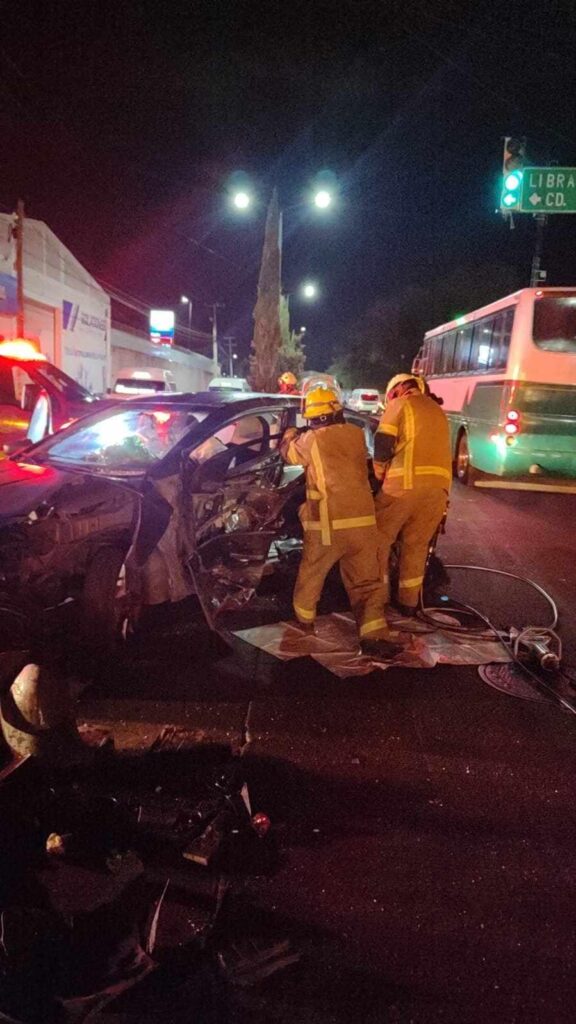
[[512, 425], [369, 397]]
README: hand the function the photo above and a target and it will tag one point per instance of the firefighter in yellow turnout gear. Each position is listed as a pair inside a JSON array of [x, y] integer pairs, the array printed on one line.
[[412, 457], [338, 519]]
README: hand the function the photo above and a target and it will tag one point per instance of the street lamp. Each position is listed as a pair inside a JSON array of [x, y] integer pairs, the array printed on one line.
[[309, 290], [187, 302], [323, 199], [242, 200]]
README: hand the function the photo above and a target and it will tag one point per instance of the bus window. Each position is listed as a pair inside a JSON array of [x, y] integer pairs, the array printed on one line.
[[501, 339], [481, 342], [462, 352], [448, 344], [434, 355], [555, 323]]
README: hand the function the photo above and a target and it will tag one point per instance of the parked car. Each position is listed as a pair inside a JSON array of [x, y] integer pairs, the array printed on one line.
[[143, 380], [36, 397], [229, 384], [364, 400], [148, 502]]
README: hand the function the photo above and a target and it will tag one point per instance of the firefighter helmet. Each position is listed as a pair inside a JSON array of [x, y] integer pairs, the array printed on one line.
[[404, 378], [321, 401]]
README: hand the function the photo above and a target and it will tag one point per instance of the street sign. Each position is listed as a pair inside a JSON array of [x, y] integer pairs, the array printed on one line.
[[548, 190], [162, 326]]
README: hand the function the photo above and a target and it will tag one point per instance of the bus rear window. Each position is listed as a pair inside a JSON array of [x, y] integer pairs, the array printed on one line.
[[555, 323], [545, 400]]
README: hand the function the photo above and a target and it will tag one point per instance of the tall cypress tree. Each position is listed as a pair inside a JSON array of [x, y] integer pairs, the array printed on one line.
[[267, 339]]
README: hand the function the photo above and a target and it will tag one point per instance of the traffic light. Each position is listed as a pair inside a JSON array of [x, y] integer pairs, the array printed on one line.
[[512, 165]]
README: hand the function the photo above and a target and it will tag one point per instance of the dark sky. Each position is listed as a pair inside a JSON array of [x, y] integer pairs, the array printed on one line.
[[121, 123]]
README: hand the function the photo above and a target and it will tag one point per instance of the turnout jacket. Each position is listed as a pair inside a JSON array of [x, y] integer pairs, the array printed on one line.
[[412, 445], [338, 494]]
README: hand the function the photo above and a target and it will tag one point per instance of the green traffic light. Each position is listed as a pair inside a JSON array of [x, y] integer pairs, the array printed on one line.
[[510, 199], [513, 181]]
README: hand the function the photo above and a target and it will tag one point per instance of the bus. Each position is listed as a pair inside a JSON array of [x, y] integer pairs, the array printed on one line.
[[506, 375]]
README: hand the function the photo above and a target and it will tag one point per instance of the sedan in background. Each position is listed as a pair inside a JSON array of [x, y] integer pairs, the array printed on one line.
[[365, 400]]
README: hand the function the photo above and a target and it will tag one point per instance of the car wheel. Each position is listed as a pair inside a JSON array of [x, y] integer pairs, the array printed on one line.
[[465, 472], [104, 601]]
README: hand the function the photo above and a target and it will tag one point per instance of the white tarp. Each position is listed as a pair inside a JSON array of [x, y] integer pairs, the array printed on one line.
[[336, 647]]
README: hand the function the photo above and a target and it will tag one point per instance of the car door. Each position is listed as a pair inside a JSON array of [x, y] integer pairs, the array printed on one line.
[[234, 492]]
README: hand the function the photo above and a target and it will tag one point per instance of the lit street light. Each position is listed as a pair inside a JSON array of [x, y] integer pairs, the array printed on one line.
[[242, 200], [187, 302], [309, 290], [322, 199]]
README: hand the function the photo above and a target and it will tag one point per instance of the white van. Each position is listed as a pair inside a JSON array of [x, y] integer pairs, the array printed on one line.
[[143, 380], [229, 384]]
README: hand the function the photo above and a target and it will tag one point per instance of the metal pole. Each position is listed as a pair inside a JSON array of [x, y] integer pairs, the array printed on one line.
[[189, 314], [230, 360], [20, 323], [535, 275], [215, 339]]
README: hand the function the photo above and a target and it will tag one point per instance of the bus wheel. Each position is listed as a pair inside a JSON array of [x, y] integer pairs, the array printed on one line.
[[104, 604], [465, 472]]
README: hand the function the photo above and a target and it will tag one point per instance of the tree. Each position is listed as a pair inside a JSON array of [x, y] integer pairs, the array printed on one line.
[[267, 340], [292, 355], [388, 335]]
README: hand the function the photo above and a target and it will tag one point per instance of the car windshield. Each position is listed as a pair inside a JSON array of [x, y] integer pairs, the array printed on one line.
[[555, 323], [52, 376], [125, 441], [134, 386]]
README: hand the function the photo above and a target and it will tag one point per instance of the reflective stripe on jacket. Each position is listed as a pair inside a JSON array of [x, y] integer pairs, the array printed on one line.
[[412, 445], [338, 494]]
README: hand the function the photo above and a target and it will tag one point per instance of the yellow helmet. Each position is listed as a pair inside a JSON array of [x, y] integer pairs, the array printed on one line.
[[403, 378], [320, 401], [287, 378]]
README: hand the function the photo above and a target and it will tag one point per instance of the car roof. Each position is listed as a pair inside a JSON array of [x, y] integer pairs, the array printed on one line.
[[213, 399]]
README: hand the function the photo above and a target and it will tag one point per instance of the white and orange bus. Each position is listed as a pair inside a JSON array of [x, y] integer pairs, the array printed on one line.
[[506, 374]]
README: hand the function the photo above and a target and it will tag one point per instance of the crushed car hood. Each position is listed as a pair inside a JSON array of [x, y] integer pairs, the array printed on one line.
[[24, 485]]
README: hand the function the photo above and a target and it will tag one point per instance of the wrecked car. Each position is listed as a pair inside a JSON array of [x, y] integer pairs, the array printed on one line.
[[145, 503], [148, 502]]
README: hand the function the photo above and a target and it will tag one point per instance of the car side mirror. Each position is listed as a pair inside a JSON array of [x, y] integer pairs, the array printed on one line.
[[30, 395]]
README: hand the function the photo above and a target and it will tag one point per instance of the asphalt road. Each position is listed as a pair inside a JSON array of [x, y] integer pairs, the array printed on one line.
[[425, 821]]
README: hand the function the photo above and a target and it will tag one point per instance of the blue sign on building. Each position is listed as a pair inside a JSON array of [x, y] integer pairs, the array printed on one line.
[[8, 295]]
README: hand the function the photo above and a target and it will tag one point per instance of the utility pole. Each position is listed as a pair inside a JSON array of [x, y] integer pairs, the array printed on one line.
[[19, 232], [537, 276], [215, 338]]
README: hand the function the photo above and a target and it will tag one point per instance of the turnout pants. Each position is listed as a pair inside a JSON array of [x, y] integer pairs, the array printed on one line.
[[411, 517], [356, 549]]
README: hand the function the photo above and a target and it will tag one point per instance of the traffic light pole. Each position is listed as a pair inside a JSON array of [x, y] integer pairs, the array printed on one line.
[[537, 275]]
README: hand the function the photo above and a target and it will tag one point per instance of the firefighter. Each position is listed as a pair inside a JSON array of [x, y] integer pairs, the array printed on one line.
[[287, 384], [413, 459], [338, 519]]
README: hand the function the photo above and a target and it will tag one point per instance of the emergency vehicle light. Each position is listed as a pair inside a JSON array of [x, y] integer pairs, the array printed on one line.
[[19, 348]]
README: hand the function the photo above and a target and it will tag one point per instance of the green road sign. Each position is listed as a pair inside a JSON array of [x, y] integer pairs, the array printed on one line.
[[548, 190]]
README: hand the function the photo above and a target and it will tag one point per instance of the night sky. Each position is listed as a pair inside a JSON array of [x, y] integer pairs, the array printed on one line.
[[122, 123]]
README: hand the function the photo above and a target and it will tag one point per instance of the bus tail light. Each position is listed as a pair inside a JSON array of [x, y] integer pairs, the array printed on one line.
[[512, 425]]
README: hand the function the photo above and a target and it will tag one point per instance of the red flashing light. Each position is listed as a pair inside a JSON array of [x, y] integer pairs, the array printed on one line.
[[511, 428], [20, 348], [27, 467], [161, 417], [512, 415]]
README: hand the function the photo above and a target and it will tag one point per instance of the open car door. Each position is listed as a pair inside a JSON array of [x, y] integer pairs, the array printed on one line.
[[235, 490]]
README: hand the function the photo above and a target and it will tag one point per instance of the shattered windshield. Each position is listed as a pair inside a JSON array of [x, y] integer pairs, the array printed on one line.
[[129, 440]]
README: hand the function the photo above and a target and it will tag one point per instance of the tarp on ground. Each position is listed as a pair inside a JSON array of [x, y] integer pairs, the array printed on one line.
[[335, 646]]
